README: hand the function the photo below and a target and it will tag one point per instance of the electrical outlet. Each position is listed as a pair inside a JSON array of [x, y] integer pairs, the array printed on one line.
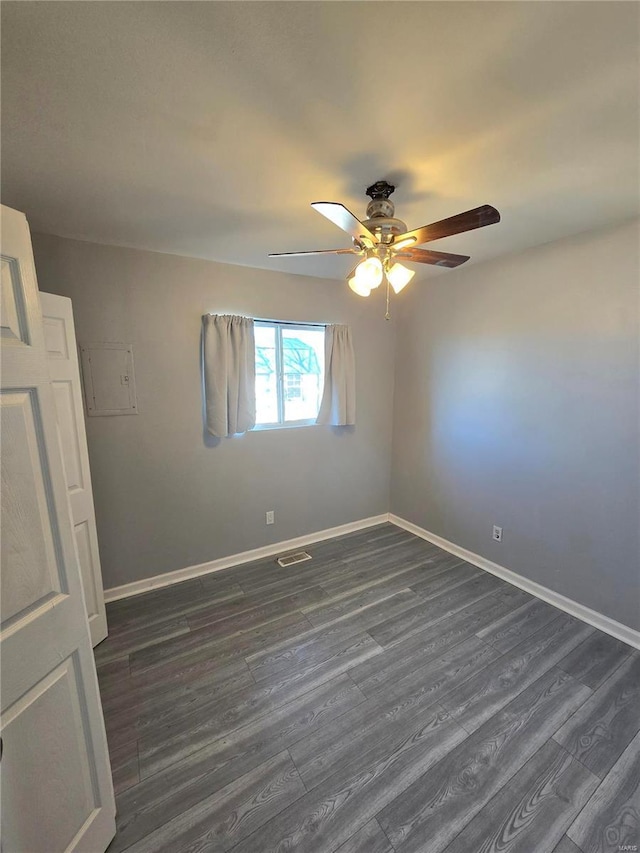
[[270, 517], [497, 533]]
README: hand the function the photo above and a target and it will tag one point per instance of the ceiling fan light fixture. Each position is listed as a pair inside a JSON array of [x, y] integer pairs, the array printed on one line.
[[369, 273], [358, 286], [399, 276]]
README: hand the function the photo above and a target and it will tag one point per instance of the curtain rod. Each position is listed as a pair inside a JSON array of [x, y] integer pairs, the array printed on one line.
[[288, 322]]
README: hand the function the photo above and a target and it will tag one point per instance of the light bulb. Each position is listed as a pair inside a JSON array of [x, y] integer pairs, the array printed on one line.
[[369, 273], [399, 276], [358, 286]]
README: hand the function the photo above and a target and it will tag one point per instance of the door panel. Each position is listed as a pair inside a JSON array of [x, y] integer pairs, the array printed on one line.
[[30, 555], [65, 412], [13, 320], [55, 338], [56, 779], [86, 549], [62, 355], [60, 755]]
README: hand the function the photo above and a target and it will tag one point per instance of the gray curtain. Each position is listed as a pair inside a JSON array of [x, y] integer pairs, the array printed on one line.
[[229, 360], [338, 406]]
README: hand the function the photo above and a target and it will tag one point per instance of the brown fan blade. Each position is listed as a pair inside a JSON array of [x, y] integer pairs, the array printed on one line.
[[426, 256], [343, 218], [319, 252], [467, 221]]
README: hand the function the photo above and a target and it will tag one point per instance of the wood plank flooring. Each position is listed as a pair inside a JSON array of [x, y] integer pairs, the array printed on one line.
[[384, 697]]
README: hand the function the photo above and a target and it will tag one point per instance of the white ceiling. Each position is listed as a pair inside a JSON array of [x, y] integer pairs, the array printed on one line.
[[207, 128]]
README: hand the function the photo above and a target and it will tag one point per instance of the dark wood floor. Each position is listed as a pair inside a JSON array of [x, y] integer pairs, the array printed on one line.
[[383, 697]]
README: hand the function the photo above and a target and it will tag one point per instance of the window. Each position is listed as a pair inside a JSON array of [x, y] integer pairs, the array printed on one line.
[[289, 373]]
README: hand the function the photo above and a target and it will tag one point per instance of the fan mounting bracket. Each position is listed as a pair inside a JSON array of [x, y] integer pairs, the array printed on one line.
[[381, 189]]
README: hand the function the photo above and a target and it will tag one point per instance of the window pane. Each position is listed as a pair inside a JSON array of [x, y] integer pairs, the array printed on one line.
[[303, 372], [266, 377]]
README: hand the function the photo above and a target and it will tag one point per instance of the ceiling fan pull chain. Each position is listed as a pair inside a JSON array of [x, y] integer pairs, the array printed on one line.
[[387, 316]]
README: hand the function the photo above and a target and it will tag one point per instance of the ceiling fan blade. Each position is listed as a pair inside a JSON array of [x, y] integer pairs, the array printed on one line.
[[467, 221], [426, 256], [343, 218], [319, 252]]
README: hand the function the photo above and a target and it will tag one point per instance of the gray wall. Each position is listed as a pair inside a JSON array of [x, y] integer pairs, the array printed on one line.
[[516, 403], [165, 497]]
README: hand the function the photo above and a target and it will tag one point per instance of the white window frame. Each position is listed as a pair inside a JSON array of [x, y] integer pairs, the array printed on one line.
[[279, 325]]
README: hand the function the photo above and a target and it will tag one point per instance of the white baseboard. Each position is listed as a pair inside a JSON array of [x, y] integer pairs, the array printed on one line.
[[169, 578], [573, 608]]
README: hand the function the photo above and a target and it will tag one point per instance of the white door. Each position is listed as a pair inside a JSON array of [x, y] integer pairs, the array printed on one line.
[[57, 793], [62, 352]]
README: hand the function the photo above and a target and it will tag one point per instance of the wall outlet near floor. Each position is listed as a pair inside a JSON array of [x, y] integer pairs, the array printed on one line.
[[497, 533], [270, 517]]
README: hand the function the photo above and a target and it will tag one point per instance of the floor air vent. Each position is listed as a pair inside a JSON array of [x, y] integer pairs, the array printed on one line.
[[292, 559]]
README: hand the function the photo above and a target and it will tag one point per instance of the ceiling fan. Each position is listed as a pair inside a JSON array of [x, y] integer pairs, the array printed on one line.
[[381, 241]]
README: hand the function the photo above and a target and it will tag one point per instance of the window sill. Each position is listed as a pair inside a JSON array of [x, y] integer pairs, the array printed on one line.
[[287, 425]]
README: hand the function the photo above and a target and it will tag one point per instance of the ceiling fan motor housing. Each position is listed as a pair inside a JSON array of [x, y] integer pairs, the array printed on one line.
[[380, 220], [382, 223]]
